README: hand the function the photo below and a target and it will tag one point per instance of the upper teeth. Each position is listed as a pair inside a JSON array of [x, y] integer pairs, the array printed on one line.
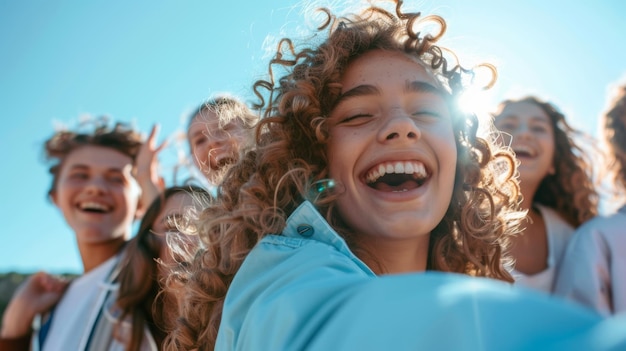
[[415, 168], [93, 206], [523, 149]]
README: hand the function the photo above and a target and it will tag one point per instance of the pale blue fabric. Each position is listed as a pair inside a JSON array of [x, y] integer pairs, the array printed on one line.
[[305, 290]]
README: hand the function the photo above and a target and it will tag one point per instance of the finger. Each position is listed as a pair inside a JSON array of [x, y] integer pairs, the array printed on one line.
[[163, 145], [153, 133], [54, 283]]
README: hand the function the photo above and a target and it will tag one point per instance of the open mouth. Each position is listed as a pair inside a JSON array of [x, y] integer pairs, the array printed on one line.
[[94, 207], [396, 176], [223, 162], [522, 151]]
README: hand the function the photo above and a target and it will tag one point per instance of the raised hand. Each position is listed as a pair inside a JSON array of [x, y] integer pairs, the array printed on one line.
[[147, 169]]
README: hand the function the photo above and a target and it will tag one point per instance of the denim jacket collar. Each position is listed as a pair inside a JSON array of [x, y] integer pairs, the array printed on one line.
[[307, 223]]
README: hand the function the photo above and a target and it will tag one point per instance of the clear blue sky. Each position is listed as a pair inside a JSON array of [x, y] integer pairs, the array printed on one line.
[[153, 61]]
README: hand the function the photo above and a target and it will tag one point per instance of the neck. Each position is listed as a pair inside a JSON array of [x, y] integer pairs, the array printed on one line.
[[528, 192], [94, 255], [397, 255]]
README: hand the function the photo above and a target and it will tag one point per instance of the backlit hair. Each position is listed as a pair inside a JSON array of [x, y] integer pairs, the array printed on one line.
[[138, 297], [289, 158]]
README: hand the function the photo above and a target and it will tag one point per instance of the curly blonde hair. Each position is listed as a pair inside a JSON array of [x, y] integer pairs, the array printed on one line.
[[614, 132], [570, 190], [289, 158]]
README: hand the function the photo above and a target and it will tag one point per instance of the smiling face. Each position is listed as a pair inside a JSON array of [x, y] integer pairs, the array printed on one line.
[[97, 194], [213, 144], [392, 147], [530, 133]]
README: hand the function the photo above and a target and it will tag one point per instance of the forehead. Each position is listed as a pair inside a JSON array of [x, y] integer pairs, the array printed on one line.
[[178, 200], [208, 121], [176, 204], [98, 157], [523, 110], [386, 66]]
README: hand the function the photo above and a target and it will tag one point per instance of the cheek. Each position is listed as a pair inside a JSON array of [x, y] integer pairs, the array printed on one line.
[[63, 194], [335, 161], [200, 151], [233, 145], [201, 156], [131, 200], [445, 142], [341, 150]]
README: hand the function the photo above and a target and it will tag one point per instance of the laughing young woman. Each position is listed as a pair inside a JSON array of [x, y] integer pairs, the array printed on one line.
[[555, 181], [364, 168]]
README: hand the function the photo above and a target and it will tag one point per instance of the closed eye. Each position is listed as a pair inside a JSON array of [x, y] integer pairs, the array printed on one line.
[[199, 141], [506, 126], [79, 175], [427, 113], [539, 129], [356, 116], [117, 179]]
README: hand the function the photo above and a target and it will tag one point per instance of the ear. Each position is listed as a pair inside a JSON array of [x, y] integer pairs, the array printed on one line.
[[161, 184], [52, 196], [141, 208]]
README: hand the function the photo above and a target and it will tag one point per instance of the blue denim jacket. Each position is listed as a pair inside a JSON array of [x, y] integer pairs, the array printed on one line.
[[305, 289]]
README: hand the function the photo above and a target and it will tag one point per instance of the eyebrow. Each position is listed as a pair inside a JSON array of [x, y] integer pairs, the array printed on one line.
[[84, 167], [410, 87], [361, 90], [196, 133], [422, 87]]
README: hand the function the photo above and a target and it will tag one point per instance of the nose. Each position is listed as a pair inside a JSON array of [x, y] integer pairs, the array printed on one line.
[[217, 139], [96, 185], [522, 132], [399, 128]]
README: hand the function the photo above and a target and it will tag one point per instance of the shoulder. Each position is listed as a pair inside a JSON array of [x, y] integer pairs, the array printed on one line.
[[299, 277], [605, 231], [291, 262]]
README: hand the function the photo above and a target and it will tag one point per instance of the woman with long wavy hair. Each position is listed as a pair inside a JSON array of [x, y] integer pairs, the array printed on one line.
[[555, 172], [139, 305]]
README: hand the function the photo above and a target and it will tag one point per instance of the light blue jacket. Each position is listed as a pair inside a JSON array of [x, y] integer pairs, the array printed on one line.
[[305, 290]]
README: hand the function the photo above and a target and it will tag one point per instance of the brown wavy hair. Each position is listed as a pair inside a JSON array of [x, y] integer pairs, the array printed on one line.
[[139, 294], [266, 186], [570, 191], [614, 133], [96, 132]]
